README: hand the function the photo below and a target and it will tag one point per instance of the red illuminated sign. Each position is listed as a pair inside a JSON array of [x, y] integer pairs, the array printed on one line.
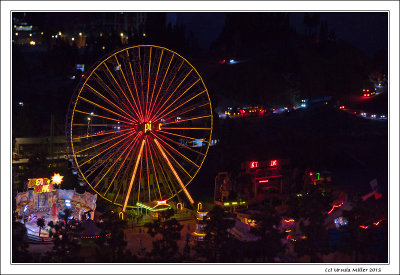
[[254, 164], [163, 202], [263, 181], [273, 163]]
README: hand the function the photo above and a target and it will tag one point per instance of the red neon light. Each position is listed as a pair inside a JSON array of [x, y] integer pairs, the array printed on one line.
[[288, 221], [378, 222], [262, 181], [164, 202], [335, 206], [375, 223], [363, 90], [273, 163], [311, 174], [254, 164], [269, 177]]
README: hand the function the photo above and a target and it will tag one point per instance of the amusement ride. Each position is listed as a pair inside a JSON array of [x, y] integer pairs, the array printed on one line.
[[139, 126]]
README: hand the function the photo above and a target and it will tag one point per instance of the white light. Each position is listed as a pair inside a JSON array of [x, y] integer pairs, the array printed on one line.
[[92, 113], [118, 128], [103, 47], [25, 208], [144, 34], [122, 34], [52, 36], [56, 36], [80, 34], [89, 118], [59, 33], [41, 33], [16, 34], [231, 61], [30, 34], [73, 38], [20, 103], [67, 203], [32, 43], [101, 34]]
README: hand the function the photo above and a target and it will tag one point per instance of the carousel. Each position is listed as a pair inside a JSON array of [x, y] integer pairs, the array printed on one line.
[[45, 200]]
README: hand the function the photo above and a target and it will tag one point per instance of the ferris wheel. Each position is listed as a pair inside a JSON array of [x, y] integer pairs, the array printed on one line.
[[139, 126]]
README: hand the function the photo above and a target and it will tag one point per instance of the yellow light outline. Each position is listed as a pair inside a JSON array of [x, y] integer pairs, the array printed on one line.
[[133, 175], [174, 172], [134, 101], [177, 162], [117, 52], [119, 108]]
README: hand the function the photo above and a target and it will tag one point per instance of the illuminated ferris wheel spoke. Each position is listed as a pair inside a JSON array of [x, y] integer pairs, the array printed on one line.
[[167, 108], [100, 125], [174, 172], [158, 160], [108, 118], [134, 82], [97, 143], [148, 88], [119, 168], [109, 102], [167, 90], [104, 160], [179, 154], [118, 99], [166, 72], [133, 176], [133, 99], [178, 87], [162, 112], [187, 110], [155, 83], [102, 133], [119, 86], [154, 170], [102, 107], [183, 120], [180, 144], [125, 177], [106, 156], [147, 172], [176, 162], [186, 137], [106, 148], [112, 165], [186, 128]]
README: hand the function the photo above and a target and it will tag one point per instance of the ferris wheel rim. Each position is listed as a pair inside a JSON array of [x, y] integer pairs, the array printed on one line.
[[80, 88]]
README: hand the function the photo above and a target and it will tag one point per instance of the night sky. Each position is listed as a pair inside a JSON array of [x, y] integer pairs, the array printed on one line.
[[365, 30]]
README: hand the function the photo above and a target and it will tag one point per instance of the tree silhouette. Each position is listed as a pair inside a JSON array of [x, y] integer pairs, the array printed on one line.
[[366, 241], [111, 245], [20, 245], [310, 211], [65, 234], [219, 245], [166, 232], [269, 244]]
